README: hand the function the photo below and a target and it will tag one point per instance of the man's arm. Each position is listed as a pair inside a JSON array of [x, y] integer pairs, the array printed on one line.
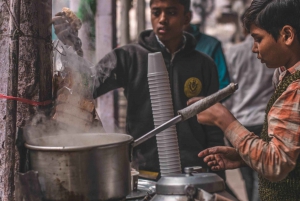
[[273, 160], [109, 73]]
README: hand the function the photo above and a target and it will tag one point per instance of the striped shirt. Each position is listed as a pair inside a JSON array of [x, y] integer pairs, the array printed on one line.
[[273, 160]]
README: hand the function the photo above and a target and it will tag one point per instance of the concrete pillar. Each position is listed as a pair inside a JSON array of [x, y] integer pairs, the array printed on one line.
[[105, 42]]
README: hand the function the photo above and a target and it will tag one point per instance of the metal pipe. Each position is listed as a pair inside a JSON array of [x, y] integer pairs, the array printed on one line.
[[190, 111]]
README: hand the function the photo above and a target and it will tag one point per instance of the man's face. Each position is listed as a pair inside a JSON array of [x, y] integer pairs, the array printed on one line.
[[168, 19], [268, 50]]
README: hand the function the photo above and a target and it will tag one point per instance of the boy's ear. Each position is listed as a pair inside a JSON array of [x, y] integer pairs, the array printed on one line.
[[187, 18], [288, 33]]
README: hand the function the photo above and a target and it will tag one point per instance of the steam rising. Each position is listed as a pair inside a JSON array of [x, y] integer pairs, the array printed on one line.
[[73, 110]]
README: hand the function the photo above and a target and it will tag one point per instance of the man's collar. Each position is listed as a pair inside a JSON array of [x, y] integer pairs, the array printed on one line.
[[290, 70], [163, 46]]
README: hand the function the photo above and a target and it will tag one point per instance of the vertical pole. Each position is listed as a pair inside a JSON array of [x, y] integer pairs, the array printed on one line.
[[11, 111], [4, 78], [125, 36], [105, 41], [141, 6]]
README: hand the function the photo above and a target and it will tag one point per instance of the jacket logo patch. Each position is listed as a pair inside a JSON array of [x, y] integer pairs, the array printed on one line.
[[192, 87]]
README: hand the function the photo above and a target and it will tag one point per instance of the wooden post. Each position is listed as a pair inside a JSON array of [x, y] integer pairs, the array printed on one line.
[[141, 6], [125, 34]]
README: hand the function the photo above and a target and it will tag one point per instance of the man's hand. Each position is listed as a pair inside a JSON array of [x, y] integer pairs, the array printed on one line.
[[66, 26], [216, 115], [222, 158]]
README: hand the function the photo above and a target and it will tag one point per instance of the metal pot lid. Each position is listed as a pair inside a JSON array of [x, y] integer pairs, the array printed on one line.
[[78, 141], [178, 184]]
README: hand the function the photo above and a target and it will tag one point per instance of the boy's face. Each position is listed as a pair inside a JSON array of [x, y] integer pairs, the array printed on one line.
[[168, 19], [269, 51]]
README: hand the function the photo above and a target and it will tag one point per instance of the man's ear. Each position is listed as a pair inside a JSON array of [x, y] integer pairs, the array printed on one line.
[[187, 18], [288, 33]]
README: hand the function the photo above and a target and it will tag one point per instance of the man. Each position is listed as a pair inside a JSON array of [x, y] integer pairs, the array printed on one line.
[[275, 156], [249, 102], [127, 67]]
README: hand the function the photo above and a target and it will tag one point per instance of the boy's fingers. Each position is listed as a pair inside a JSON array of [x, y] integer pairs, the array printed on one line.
[[209, 158], [203, 153], [212, 163], [218, 150], [60, 14], [215, 168], [193, 100], [61, 27], [59, 20]]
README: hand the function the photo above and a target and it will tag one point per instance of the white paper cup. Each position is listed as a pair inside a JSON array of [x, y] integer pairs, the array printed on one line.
[[163, 86], [155, 74], [158, 77], [156, 63], [157, 93], [160, 82]]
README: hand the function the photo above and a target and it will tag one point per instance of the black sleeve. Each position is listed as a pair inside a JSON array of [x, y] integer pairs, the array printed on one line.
[[111, 72], [213, 82]]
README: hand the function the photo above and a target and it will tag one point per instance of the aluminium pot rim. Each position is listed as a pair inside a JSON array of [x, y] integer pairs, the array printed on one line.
[[79, 148]]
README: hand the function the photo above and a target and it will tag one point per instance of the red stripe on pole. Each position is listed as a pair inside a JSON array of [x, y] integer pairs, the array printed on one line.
[[27, 101]]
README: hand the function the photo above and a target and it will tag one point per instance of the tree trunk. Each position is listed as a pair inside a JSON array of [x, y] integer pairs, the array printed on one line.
[[11, 106], [4, 78], [26, 72]]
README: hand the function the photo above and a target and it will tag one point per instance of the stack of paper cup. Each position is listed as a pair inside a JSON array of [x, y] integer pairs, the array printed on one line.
[[162, 108]]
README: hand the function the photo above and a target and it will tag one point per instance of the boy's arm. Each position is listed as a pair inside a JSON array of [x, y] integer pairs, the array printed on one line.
[[110, 72], [273, 160]]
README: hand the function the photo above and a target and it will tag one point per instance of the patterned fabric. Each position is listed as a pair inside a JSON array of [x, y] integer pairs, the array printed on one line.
[[286, 189], [275, 159]]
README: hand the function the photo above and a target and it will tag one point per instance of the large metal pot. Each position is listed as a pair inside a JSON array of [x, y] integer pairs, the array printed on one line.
[[82, 167]]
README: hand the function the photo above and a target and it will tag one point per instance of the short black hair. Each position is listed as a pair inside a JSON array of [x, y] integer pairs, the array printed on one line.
[[185, 3], [272, 15]]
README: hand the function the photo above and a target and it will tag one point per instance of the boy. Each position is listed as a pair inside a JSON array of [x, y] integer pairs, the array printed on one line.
[[127, 67], [275, 27]]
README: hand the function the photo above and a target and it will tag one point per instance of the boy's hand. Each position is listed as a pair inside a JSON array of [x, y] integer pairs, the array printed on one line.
[[216, 115], [66, 26], [222, 158]]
